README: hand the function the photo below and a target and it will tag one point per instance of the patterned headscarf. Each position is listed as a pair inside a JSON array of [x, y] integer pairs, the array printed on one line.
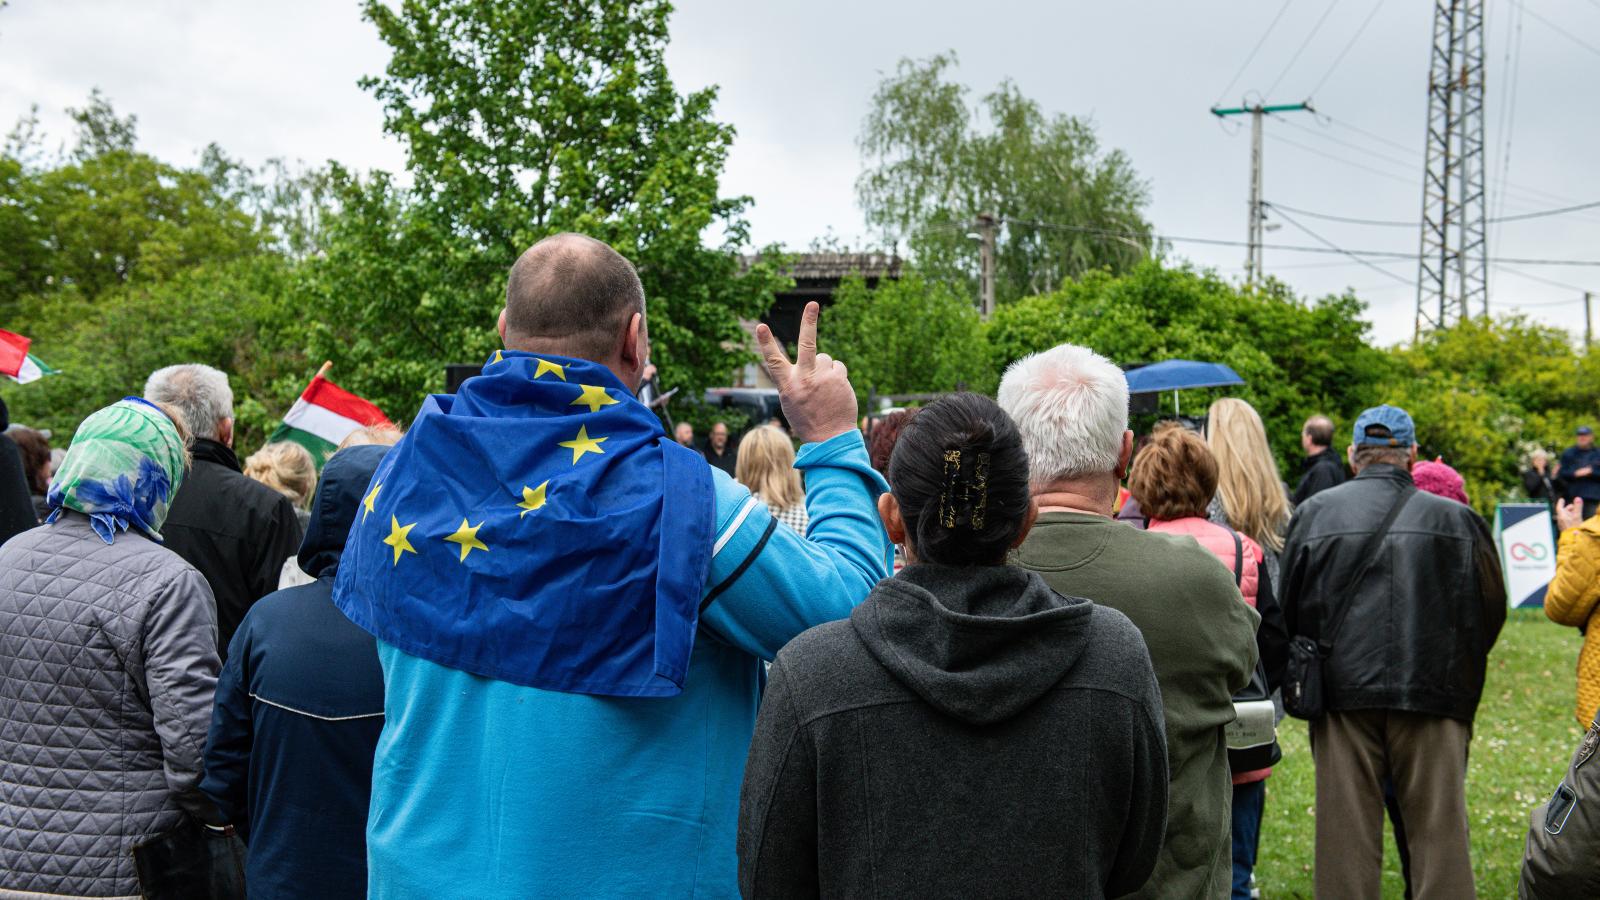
[[122, 470]]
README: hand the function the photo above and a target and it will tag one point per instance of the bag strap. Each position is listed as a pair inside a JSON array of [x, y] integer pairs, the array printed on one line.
[[1369, 553], [1238, 559]]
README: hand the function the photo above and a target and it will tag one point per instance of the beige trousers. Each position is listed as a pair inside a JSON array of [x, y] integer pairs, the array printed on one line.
[[1426, 756]]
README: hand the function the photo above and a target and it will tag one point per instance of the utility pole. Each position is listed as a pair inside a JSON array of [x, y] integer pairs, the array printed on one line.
[[1452, 275], [1588, 324], [1252, 264], [987, 224]]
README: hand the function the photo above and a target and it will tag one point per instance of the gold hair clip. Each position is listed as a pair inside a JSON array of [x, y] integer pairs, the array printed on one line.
[[952, 479]]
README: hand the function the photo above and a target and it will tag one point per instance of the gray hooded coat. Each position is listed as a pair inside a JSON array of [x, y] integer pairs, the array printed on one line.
[[967, 732], [107, 665]]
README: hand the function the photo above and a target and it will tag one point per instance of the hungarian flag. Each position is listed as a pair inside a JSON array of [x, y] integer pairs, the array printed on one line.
[[17, 363], [324, 416]]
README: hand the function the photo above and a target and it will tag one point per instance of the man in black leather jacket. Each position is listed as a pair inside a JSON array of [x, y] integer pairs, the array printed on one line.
[[1404, 671]]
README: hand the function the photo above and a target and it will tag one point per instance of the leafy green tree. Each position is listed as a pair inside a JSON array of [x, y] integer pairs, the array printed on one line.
[[522, 119], [1486, 393], [107, 215], [117, 264], [1297, 358], [227, 314], [934, 161], [908, 336]]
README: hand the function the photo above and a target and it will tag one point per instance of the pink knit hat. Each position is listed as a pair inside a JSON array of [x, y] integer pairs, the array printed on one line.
[[1437, 478]]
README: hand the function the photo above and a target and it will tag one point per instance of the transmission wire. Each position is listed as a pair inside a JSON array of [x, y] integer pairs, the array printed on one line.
[[1342, 53], [1303, 45], [1256, 49]]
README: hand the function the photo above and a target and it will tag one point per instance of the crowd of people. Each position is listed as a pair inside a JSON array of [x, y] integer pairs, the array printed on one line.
[[989, 647]]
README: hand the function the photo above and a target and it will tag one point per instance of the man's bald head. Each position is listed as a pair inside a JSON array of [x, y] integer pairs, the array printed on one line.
[[1318, 432], [571, 295]]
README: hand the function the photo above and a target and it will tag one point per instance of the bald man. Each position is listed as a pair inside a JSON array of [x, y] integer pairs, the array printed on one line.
[[574, 723], [1322, 468]]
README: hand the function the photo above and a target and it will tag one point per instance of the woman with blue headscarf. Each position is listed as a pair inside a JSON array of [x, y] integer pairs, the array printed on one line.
[[107, 665]]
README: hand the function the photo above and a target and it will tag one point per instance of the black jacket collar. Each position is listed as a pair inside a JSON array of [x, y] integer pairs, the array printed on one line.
[[216, 452], [1326, 454]]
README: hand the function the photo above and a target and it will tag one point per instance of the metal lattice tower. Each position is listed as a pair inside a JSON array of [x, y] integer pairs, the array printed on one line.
[[1452, 276]]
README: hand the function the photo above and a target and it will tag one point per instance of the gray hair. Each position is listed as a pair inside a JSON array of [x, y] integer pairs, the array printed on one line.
[[1071, 405], [199, 392], [1373, 455]]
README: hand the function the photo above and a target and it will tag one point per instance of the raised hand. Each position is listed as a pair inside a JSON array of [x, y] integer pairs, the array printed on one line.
[[1570, 514], [815, 389]]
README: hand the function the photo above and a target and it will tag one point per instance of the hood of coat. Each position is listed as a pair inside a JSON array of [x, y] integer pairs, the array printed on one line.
[[980, 644], [340, 491]]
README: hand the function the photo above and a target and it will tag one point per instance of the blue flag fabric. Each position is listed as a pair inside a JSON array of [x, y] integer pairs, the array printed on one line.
[[538, 528]]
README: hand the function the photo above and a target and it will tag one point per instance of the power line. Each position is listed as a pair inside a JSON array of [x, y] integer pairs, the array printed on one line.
[[1342, 53], [1546, 212], [1559, 30], [1293, 248], [1357, 147], [1253, 51], [1331, 244], [1506, 186], [1371, 134], [1339, 159], [1303, 45], [1398, 223], [1550, 281], [1349, 220]]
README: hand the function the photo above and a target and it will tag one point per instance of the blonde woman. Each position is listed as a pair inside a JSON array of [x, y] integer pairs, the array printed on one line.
[[766, 466], [1252, 500], [287, 468], [1251, 497]]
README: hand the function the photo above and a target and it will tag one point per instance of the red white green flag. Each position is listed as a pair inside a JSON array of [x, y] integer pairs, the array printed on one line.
[[324, 416], [17, 363]]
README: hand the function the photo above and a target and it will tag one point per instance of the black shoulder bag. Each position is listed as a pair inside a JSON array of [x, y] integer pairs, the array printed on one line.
[[1252, 736], [1302, 675]]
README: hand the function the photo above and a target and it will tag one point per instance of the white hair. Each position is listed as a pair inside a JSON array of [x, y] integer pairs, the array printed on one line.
[[1071, 405], [200, 392]]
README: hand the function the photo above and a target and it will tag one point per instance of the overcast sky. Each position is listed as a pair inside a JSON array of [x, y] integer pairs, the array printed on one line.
[[279, 79]]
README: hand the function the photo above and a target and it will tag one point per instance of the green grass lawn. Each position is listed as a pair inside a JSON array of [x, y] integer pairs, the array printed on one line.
[[1522, 742]]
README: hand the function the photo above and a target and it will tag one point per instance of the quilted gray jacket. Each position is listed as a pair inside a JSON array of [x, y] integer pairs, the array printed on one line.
[[107, 666]]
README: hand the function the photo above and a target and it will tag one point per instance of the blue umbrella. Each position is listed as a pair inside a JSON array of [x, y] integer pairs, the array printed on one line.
[[1180, 374]]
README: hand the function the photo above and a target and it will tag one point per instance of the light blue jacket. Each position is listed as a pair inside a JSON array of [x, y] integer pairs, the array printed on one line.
[[485, 789]]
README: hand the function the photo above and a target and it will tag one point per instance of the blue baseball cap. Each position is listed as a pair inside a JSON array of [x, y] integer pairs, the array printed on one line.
[[1384, 426], [1584, 429]]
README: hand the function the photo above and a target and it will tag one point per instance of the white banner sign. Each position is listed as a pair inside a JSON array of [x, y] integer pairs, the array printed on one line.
[[1527, 552]]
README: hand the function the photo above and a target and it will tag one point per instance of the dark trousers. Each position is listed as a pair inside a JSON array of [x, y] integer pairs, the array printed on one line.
[[1427, 758], [1248, 802]]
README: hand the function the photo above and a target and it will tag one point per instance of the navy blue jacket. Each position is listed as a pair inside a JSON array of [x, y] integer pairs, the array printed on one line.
[[1573, 459], [298, 711]]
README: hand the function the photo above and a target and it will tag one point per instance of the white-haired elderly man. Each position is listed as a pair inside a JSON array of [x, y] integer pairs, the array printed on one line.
[[236, 531], [1071, 405]]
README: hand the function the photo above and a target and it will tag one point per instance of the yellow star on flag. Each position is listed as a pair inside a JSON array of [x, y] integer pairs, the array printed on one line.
[[397, 538], [497, 358], [532, 499], [546, 365], [370, 499], [583, 444], [593, 397], [467, 537]]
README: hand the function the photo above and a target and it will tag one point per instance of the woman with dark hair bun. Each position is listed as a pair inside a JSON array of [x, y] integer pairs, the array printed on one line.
[[967, 731]]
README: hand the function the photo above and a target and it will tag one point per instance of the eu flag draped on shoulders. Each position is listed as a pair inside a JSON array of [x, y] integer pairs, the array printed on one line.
[[478, 545]]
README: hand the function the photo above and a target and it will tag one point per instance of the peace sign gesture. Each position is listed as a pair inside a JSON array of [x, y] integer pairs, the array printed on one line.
[[815, 389]]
